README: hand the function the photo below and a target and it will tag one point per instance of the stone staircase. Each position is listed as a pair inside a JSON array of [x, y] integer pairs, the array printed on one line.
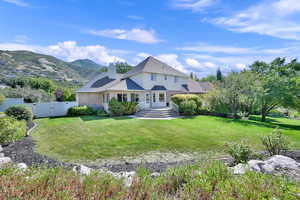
[[157, 113]]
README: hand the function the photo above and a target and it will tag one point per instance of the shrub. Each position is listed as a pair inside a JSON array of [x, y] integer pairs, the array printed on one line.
[[240, 152], [20, 112], [2, 98], [11, 129], [188, 107], [121, 108], [178, 99], [80, 110], [130, 108], [275, 143], [102, 113], [115, 107]]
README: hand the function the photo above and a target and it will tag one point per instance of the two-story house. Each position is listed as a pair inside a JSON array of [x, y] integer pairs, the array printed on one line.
[[151, 83]]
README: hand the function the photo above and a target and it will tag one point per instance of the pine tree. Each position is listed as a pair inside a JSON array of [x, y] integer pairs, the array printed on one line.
[[219, 75]]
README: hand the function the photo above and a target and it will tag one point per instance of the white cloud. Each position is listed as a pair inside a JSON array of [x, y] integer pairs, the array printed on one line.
[[135, 17], [204, 47], [194, 5], [172, 60], [276, 18], [69, 51], [136, 34], [192, 62], [17, 3], [21, 39]]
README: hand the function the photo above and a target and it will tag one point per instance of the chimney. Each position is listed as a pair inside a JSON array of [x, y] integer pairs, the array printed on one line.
[[112, 71]]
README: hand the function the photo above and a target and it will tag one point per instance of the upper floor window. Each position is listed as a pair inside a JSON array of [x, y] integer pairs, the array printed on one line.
[[153, 77], [176, 79], [166, 77]]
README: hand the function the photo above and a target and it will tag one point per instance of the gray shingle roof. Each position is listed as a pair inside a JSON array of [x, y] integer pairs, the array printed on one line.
[[197, 87], [101, 82], [126, 84], [152, 65]]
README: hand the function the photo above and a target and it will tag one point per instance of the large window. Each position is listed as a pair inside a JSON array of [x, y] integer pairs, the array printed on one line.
[[161, 97], [153, 77], [122, 97], [166, 77], [134, 97]]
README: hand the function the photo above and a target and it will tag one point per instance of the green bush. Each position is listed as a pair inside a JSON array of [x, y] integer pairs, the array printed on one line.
[[240, 152], [20, 112], [178, 99], [11, 129], [102, 113], [80, 110], [121, 108], [129, 108], [188, 107], [275, 143], [2, 98]]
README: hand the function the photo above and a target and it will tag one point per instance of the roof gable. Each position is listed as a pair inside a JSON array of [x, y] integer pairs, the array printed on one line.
[[153, 65]]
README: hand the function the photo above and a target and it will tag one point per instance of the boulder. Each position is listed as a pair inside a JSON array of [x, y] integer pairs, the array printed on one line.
[[4, 161], [1, 149], [277, 165], [83, 170], [240, 168], [128, 177], [22, 166], [2, 155]]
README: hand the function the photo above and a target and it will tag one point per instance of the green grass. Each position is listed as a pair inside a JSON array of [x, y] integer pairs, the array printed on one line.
[[90, 137]]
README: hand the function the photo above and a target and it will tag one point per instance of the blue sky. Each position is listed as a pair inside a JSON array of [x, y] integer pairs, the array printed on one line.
[[190, 35]]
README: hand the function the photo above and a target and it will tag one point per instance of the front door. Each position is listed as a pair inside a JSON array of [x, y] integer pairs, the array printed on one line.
[[158, 99]]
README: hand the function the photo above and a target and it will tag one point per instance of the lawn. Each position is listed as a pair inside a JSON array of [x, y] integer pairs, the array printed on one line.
[[91, 138]]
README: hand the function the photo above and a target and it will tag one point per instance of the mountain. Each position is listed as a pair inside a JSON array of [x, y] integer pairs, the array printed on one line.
[[26, 63], [86, 68]]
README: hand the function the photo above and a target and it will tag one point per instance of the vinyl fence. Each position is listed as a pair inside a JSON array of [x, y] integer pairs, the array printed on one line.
[[49, 109]]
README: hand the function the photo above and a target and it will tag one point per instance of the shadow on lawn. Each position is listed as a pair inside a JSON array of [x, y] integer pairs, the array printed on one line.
[[254, 120]]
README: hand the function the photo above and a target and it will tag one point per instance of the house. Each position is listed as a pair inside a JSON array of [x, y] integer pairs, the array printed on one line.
[[151, 83]]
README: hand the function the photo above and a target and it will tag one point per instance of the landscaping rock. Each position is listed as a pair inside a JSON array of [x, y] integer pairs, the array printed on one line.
[[2, 155], [4, 161], [128, 177], [83, 170], [22, 166], [240, 168], [1, 149], [276, 165]]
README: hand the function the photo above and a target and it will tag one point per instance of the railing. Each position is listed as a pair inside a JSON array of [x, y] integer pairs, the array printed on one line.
[[174, 106]]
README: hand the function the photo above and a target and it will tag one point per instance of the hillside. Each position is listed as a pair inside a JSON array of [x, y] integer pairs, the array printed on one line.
[[86, 68], [26, 63]]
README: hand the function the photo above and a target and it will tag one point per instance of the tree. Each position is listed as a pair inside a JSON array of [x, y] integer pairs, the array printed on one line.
[[278, 85], [122, 67], [209, 78], [219, 75]]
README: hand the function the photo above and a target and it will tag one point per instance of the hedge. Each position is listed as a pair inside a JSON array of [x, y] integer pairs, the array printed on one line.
[[11, 129], [20, 112], [80, 110]]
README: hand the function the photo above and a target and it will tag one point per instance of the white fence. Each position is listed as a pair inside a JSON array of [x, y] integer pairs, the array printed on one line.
[[49, 109]]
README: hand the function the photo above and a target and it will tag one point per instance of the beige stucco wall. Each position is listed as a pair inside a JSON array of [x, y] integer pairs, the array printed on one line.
[[90, 99], [143, 79]]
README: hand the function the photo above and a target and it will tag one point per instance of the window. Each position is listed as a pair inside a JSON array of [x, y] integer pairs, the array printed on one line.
[[122, 97], [153, 77], [166, 77], [147, 98], [134, 97], [154, 98], [175, 79], [161, 97]]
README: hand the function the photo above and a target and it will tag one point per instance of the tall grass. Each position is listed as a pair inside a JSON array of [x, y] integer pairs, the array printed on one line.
[[208, 181]]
